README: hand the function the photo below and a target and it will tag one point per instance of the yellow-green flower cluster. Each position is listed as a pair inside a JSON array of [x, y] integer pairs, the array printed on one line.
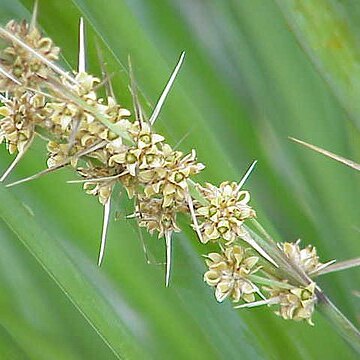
[[295, 304], [84, 131], [23, 109], [305, 258], [228, 273], [157, 175], [20, 117], [225, 213], [231, 272], [21, 63], [155, 217], [94, 137], [78, 130]]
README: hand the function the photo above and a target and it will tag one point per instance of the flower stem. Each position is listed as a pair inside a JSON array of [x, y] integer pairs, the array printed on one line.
[[269, 282], [342, 325]]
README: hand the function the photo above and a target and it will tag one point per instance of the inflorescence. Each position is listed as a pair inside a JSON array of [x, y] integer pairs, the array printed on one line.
[[95, 137]]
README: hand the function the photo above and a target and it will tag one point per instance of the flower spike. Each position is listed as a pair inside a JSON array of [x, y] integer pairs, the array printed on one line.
[[105, 75], [168, 257], [166, 91], [133, 89], [193, 215], [105, 178], [35, 176], [56, 167], [17, 159], [246, 176], [331, 266], [34, 15], [93, 136], [82, 55], [107, 208], [329, 154]]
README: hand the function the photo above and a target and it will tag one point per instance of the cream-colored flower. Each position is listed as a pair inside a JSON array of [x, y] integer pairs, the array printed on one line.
[[296, 304], [142, 157], [162, 171], [305, 258], [101, 189], [155, 217], [58, 153], [170, 180], [20, 116], [228, 273], [129, 157], [225, 213], [21, 64], [145, 138], [71, 121], [65, 114], [105, 183]]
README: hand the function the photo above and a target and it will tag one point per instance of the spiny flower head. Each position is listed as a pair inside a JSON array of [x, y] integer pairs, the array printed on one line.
[[83, 132], [225, 213], [22, 64], [295, 304], [228, 273]]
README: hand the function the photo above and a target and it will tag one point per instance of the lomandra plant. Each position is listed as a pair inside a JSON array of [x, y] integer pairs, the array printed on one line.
[[106, 146]]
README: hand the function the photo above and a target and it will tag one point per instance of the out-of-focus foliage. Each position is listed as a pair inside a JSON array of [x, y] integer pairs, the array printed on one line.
[[246, 85]]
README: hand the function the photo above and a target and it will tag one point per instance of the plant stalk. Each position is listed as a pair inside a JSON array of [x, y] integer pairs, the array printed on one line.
[[342, 324]]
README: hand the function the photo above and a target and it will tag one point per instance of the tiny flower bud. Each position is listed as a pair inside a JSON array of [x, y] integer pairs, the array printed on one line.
[[130, 158], [145, 138], [179, 177]]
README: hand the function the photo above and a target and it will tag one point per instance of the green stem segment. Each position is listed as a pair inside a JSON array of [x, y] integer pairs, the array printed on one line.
[[264, 281], [341, 324]]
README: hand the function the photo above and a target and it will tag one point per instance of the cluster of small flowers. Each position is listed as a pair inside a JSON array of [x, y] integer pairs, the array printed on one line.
[[231, 274], [157, 175], [146, 165], [27, 70], [23, 110], [88, 133], [225, 212], [94, 136], [81, 136], [231, 271]]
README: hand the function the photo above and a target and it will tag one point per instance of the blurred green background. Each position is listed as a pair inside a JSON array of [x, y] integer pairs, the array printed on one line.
[[256, 72]]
